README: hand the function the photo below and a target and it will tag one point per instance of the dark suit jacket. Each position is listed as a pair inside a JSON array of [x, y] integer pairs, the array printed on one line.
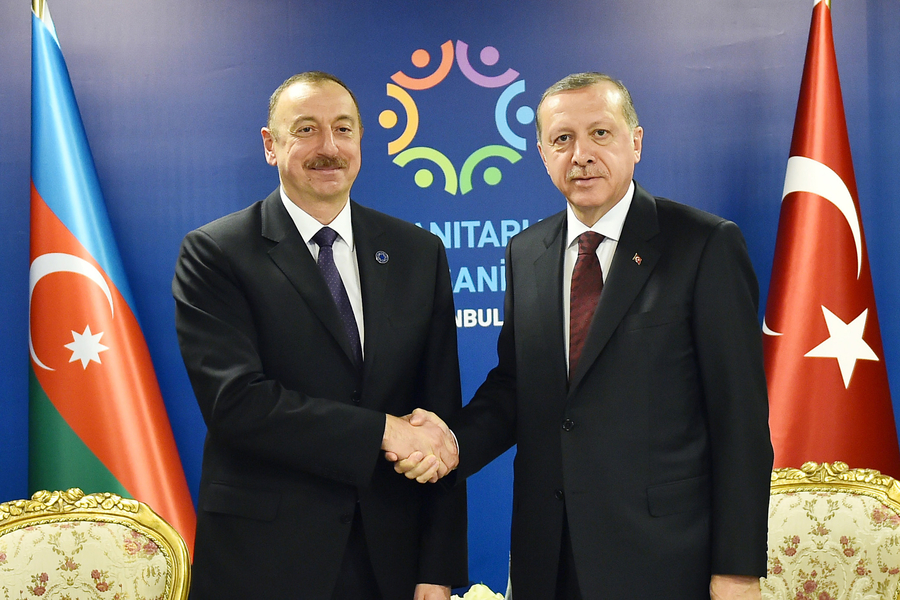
[[294, 433], [658, 451]]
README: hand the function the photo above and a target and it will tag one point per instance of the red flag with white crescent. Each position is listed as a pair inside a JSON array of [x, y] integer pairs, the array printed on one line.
[[828, 388]]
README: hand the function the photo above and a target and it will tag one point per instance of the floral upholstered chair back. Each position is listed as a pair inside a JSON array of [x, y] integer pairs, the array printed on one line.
[[68, 545], [834, 534]]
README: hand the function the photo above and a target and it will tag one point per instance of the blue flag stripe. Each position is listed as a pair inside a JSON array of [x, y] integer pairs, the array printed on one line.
[[62, 167]]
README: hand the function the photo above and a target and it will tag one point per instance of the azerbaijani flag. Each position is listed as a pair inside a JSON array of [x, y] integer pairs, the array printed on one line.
[[97, 418]]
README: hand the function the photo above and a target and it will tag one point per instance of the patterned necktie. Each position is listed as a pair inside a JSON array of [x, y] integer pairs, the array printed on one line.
[[587, 283], [325, 238]]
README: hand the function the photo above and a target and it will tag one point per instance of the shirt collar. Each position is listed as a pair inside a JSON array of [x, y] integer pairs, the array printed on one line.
[[308, 226], [609, 226]]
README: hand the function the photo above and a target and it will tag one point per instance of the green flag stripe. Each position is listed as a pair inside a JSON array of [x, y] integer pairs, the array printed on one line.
[[58, 459]]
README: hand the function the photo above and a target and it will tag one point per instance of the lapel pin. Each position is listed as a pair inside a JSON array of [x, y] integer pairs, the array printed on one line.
[[382, 257], [637, 259]]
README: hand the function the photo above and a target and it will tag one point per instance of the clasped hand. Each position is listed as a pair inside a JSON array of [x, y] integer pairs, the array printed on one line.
[[420, 445]]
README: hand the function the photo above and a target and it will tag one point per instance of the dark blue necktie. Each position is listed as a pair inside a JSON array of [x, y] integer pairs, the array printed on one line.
[[324, 239]]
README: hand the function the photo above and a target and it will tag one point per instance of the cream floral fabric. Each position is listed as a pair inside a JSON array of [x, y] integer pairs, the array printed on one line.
[[81, 560], [832, 546]]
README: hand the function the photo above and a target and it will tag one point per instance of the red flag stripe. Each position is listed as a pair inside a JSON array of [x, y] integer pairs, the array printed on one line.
[[113, 405]]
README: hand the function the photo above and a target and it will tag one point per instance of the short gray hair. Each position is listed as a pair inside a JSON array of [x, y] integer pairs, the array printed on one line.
[[313, 77], [577, 81]]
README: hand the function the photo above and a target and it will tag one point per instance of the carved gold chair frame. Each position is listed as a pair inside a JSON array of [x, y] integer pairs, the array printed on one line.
[[812, 477], [73, 505], [837, 477]]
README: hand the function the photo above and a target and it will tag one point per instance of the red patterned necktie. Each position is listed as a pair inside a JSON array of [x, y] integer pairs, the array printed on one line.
[[587, 283]]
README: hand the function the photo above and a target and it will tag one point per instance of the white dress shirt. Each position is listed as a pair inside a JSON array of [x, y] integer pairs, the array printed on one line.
[[610, 227], [344, 252]]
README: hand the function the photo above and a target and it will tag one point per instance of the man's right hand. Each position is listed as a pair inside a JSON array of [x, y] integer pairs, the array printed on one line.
[[421, 445]]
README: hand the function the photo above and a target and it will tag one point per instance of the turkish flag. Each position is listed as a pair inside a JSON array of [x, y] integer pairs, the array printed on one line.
[[828, 388]]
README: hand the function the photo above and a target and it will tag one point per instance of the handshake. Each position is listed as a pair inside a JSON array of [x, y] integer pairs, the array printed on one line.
[[420, 445]]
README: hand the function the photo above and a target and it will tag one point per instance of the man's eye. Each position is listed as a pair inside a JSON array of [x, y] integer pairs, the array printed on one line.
[[561, 139]]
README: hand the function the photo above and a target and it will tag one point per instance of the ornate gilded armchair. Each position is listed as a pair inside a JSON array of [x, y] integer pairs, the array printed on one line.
[[834, 534], [65, 545]]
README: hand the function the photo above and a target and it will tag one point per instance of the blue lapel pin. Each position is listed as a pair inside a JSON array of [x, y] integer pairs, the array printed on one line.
[[382, 257]]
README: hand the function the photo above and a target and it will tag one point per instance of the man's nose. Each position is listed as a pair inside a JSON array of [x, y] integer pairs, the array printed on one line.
[[328, 143], [582, 153]]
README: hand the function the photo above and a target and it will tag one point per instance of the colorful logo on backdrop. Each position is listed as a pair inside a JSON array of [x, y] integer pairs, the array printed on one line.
[[456, 179]]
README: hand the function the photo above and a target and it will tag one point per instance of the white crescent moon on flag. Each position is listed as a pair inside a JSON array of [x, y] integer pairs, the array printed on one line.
[[807, 175], [55, 262], [767, 331]]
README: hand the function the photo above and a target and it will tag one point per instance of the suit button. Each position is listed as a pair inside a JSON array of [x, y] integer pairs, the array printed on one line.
[[568, 425], [559, 494], [355, 396], [346, 519]]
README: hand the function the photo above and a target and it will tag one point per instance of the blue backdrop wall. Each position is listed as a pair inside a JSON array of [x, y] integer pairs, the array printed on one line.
[[173, 95]]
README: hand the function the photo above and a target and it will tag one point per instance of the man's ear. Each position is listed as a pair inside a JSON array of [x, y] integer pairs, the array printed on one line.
[[269, 146], [638, 139], [543, 158]]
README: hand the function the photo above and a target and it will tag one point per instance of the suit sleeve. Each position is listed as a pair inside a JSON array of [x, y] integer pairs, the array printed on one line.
[[443, 545], [729, 354], [243, 407], [486, 427]]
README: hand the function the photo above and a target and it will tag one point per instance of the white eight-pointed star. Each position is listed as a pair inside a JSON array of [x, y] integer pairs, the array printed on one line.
[[86, 347]]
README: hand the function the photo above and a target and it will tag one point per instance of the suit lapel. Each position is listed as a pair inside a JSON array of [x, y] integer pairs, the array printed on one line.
[[373, 276], [548, 281], [636, 256], [292, 256]]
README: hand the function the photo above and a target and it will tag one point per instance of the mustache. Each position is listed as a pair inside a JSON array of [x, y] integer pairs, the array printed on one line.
[[327, 162], [579, 172]]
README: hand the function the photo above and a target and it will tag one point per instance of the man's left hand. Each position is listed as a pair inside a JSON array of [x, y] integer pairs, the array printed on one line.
[[429, 591], [734, 587]]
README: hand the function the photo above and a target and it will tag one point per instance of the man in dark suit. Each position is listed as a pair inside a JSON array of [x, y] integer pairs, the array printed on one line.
[[299, 367], [629, 375]]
